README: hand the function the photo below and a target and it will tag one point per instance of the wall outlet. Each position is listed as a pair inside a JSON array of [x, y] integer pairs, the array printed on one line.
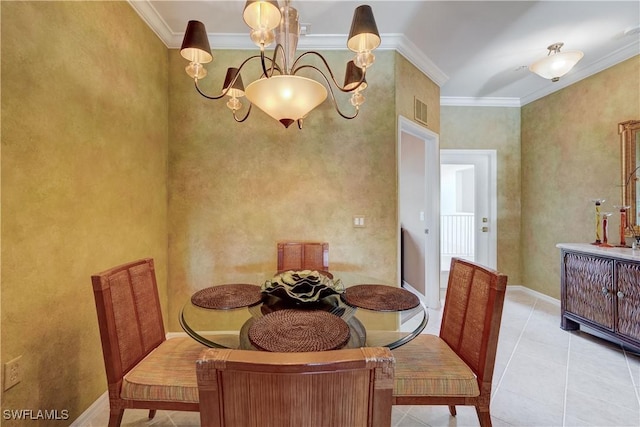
[[12, 373], [358, 221]]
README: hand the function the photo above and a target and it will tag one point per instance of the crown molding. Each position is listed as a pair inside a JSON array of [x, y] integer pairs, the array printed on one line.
[[465, 101], [152, 18], [406, 48]]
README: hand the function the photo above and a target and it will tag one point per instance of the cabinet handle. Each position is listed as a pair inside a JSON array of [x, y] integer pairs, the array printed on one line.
[[605, 291], [620, 295]]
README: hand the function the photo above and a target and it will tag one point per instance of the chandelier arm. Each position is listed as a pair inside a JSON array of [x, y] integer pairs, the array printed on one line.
[[326, 64], [228, 88], [333, 97], [209, 96], [274, 64], [245, 117]]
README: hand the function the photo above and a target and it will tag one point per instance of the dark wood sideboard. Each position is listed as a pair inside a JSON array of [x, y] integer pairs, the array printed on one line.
[[600, 289]]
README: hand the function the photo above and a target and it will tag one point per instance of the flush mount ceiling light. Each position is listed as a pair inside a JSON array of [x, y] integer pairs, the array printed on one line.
[[556, 64], [279, 91]]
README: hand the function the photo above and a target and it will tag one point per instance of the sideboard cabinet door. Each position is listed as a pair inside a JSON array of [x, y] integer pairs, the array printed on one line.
[[589, 291], [628, 295]]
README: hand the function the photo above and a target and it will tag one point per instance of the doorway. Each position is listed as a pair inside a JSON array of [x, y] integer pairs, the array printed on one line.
[[419, 210], [468, 208]]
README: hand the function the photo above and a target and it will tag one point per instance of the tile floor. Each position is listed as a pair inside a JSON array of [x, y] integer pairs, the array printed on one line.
[[544, 376]]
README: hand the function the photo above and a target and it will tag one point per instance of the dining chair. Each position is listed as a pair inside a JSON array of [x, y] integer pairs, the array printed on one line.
[[303, 256], [144, 369], [336, 388], [456, 367]]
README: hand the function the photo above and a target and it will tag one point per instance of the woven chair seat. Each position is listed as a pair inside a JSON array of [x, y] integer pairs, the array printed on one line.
[[427, 366], [167, 374]]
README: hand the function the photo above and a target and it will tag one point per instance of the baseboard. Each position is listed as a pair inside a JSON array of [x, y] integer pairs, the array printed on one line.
[[536, 294], [176, 335], [85, 418]]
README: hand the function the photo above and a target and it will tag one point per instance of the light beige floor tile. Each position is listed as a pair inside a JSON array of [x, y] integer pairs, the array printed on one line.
[[515, 295], [533, 347], [185, 419], [611, 366], [634, 366], [140, 417], [409, 421], [541, 381], [438, 415], [621, 393], [585, 342], [594, 412], [520, 410]]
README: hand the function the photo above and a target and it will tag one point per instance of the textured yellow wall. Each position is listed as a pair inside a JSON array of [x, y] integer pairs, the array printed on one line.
[[493, 128], [235, 190], [412, 83], [84, 170], [571, 154]]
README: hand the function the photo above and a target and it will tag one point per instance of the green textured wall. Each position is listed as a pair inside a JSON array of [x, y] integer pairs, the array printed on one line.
[[84, 171], [494, 128], [411, 83], [235, 190], [571, 154]]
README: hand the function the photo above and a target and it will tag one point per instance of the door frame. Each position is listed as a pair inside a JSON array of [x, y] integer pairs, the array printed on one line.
[[432, 210], [486, 158]]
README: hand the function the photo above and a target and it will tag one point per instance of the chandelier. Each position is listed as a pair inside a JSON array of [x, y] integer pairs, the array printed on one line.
[[280, 91], [556, 64]]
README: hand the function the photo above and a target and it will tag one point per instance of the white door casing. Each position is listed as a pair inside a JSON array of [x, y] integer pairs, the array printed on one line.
[[485, 167], [431, 208]]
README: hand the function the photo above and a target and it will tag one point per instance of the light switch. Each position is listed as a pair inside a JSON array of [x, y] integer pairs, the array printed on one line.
[[358, 220]]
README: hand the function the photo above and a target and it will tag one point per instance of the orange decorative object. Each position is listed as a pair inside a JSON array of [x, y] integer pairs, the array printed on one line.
[[623, 224], [605, 227]]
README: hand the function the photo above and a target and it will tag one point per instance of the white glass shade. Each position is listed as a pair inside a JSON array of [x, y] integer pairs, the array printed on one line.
[[556, 65], [286, 98]]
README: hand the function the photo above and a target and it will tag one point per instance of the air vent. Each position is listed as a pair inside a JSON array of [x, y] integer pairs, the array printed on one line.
[[420, 111]]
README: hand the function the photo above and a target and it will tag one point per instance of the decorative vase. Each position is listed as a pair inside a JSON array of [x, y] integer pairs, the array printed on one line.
[[598, 203]]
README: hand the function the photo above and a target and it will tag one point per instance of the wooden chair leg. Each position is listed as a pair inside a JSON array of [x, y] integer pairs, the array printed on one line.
[[483, 416], [152, 413], [452, 410], [115, 417]]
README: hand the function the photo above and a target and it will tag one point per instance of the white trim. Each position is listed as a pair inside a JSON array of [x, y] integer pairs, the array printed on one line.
[[410, 51], [171, 335], [491, 158], [463, 101], [536, 294], [92, 411], [432, 210], [149, 14]]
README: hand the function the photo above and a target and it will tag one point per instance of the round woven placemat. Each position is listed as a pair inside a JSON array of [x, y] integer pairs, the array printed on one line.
[[380, 298], [293, 330], [224, 297]]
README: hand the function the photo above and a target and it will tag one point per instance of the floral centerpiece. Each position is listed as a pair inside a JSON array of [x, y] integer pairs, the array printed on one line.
[[307, 286]]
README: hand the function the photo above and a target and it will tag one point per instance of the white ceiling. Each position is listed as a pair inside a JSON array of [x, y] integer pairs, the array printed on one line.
[[476, 51]]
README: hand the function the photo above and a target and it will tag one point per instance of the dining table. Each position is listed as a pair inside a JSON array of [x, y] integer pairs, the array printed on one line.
[[298, 311]]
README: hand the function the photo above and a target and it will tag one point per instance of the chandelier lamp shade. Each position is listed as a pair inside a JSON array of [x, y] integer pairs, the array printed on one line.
[[279, 90], [556, 64]]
